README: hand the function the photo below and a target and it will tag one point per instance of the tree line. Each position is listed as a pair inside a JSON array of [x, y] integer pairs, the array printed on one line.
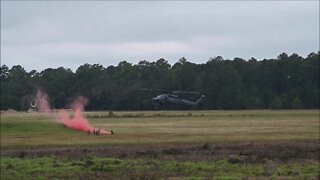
[[288, 82]]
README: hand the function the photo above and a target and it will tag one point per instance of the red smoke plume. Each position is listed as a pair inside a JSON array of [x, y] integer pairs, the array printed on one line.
[[42, 101], [78, 122]]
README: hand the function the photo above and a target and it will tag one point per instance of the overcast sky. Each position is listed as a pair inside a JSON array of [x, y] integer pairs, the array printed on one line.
[[39, 35]]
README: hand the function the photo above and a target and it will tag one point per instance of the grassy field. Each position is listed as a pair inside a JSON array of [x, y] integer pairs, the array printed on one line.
[[37, 131], [34, 129]]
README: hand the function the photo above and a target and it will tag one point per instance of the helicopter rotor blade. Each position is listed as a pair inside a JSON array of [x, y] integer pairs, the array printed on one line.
[[185, 92], [170, 92], [154, 90], [34, 103]]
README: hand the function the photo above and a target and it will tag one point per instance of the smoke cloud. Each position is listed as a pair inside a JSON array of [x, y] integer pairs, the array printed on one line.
[[77, 122], [42, 101]]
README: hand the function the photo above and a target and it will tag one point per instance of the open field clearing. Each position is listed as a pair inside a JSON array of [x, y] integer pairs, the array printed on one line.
[[170, 144], [34, 129]]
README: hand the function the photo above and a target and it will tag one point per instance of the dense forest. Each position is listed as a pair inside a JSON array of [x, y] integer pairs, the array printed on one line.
[[288, 82]]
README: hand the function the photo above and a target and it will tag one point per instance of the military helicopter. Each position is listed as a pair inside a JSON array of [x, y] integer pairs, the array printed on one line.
[[172, 98]]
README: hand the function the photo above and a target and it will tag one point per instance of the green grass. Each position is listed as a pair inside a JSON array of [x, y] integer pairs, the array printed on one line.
[[20, 130], [35, 130], [63, 168]]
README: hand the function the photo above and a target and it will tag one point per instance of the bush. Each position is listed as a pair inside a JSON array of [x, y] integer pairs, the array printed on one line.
[[276, 103]]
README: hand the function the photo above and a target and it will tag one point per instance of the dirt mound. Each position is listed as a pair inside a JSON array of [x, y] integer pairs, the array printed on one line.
[[11, 110], [31, 110]]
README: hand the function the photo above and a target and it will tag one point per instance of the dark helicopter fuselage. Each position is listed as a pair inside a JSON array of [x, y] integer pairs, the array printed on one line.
[[165, 99]]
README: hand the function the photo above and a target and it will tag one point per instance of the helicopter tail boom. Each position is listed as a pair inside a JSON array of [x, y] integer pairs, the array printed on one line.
[[200, 100]]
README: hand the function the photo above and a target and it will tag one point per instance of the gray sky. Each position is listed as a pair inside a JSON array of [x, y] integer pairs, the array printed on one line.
[[38, 35]]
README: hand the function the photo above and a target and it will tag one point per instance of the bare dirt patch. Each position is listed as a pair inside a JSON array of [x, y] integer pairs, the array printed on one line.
[[251, 152]]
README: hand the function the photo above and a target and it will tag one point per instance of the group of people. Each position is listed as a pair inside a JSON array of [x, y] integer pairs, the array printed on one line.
[[97, 131]]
